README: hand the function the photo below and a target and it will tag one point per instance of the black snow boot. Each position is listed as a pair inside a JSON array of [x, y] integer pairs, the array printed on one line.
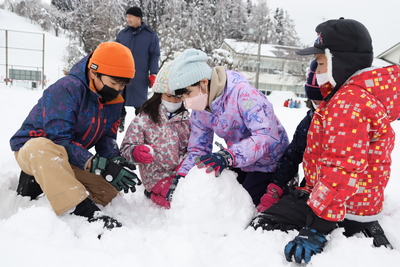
[[28, 187], [375, 231], [88, 209]]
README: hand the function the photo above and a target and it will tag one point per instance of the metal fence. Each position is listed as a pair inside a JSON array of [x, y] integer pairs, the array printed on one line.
[[22, 55]]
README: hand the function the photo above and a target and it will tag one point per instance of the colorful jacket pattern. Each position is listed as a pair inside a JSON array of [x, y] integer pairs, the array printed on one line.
[[245, 119], [169, 140], [71, 115], [350, 140]]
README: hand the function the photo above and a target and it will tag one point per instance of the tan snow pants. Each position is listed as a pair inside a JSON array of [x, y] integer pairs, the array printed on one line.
[[64, 184]]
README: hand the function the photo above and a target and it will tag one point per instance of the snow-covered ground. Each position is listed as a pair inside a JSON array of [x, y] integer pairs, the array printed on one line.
[[206, 225]]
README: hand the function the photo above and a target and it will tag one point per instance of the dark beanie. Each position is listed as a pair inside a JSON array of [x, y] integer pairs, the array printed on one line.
[[135, 11], [311, 87]]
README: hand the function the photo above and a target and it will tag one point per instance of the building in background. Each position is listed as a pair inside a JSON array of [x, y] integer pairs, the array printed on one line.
[[280, 69]]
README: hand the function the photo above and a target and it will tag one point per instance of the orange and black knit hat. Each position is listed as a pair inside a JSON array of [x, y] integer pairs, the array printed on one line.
[[113, 59]]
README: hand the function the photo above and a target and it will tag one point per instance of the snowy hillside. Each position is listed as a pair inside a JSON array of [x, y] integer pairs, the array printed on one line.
[[205, 227]]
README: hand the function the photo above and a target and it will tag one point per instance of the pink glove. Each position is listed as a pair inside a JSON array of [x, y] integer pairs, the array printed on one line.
[[159, 192], [152, 79], [272, 195], [143, 154]]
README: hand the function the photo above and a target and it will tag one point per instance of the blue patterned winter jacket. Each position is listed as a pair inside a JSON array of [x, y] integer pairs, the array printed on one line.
[[71, 115]]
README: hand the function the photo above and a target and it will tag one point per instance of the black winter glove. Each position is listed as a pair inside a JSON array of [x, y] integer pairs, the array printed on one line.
[[309, 242], [115, 174], [121, 161], [217, 161]]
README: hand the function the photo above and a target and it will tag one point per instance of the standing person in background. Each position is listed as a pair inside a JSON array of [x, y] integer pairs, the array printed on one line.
[[78, 112], [224, 103], [144, 45], [157, 139], [349, 143]]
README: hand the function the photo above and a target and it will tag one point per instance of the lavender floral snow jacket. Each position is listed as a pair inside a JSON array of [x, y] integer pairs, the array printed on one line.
[[245, 119]]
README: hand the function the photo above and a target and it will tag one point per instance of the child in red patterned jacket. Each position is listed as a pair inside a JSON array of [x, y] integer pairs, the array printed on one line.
[[349, 143]]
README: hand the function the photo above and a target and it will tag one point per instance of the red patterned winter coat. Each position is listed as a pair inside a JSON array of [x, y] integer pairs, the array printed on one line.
[[169, 140], [349, 144]]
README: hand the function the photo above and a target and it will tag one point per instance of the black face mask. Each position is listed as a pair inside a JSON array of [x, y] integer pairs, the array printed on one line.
[[107, 93]]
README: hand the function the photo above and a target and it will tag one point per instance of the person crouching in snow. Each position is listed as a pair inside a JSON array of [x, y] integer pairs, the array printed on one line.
[[349, 143], [78, 112], [288, 165], [224, 103], [157, 139]]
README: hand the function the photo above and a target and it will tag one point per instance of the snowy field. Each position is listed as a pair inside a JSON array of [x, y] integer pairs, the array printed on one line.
[[205, 227]]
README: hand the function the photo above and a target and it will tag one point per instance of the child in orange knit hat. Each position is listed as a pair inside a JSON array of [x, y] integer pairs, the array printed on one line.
[[76, 113]]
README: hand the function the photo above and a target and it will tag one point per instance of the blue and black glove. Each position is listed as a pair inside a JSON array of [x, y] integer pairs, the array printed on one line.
[[116, 173], [217, 161], [172, 187], [309, 242]]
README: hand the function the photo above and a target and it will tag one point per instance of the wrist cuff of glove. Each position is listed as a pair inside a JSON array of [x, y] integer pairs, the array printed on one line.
[[319, 224], [228, 155]]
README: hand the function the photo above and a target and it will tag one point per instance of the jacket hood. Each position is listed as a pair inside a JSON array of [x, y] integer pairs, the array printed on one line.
[[80, 70], [384, 84]]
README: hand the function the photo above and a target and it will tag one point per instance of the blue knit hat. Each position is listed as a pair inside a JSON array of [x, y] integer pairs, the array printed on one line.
[[189, 68], [311, 87]]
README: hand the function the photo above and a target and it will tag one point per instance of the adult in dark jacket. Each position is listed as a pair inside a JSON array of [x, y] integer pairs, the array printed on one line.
[[78, 112], [144, 45]]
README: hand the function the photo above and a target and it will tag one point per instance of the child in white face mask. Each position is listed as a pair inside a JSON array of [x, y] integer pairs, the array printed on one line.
[[157, 139]]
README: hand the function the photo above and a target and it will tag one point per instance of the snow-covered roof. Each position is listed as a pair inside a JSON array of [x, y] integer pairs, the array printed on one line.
[[266, 50]]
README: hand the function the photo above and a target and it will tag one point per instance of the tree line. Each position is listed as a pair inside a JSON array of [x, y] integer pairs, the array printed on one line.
[[180, 24]]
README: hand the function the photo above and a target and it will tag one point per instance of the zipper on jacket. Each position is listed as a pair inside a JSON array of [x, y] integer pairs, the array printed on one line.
[[97, 128], [89, 129]]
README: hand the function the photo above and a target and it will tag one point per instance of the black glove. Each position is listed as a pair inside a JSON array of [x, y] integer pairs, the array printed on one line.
[[217, 161], [172, 187], [115, 174], [309, 242], [121, 161]]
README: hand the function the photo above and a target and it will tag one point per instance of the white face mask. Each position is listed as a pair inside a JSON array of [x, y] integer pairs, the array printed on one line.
[[322, 78], [171, 107]]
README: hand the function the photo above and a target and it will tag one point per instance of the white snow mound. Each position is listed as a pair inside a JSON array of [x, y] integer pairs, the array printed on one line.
[[213, 205]]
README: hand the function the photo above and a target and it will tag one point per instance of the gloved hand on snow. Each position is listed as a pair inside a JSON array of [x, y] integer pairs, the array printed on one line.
[[118, 176], [309, 242], [217, 161], [172, 187], [272, 195], [143, 154], [159, 192]]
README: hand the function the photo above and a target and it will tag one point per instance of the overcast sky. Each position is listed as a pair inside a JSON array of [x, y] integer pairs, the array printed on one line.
[[381, 17]]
